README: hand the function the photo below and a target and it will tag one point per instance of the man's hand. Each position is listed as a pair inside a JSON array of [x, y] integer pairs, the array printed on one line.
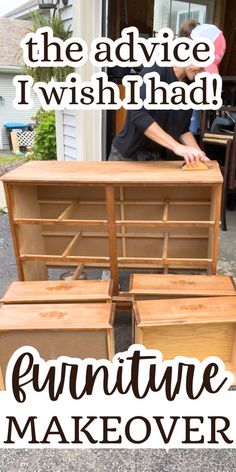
[[190, 154]]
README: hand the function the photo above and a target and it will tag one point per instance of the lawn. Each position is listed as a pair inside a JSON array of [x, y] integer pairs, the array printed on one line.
[[10, 159], [9, 162]]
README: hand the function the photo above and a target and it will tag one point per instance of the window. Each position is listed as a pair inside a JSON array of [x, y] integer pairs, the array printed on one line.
[[172, 13]]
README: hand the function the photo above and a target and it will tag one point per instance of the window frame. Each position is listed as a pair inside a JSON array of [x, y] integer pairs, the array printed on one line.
[[210, 5]]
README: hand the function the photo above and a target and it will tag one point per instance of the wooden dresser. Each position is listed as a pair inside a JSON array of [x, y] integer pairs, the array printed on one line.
[[113, 214]]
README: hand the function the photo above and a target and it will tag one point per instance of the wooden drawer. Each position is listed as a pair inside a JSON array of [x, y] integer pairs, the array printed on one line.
[[59, 291], [149, 286], [76, 330], [188, 327]]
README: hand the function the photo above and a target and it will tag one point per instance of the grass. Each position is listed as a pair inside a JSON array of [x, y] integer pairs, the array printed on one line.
[[9, 159]]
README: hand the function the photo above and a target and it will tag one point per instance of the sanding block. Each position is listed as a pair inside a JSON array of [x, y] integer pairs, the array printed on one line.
[[200, 166]]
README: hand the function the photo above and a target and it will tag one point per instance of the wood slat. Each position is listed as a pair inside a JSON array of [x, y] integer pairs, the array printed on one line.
[[56, 221], [122, 214], [68, 210], [79, 269], [215, 141], [228, 137], [166, 224], [71, 245], [59, 258], [165, 247]]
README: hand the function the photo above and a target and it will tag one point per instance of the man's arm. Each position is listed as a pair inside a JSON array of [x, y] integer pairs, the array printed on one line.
[[188, 139], [189, 150]]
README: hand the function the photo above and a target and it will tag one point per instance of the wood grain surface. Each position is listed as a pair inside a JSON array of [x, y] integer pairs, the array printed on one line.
[[58, 291], [181, 285], [56, 317], [111, 172], [186, 311]]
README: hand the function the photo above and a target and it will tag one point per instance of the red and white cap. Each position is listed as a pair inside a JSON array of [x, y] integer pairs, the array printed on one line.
[[216, 36]]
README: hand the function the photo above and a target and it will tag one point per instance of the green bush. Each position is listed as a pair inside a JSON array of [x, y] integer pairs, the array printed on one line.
[[45, 136]]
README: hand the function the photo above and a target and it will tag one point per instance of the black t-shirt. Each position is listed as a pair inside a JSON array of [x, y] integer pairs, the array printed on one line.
[[174, 122]]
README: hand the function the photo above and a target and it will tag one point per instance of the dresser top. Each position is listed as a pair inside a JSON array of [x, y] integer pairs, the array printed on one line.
[[141, 173]]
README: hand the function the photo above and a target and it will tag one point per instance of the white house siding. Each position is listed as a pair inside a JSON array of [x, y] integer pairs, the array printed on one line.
[[66, 15], [66, 120], [79, 132], [8, 114], [66, 135], [69, 127]]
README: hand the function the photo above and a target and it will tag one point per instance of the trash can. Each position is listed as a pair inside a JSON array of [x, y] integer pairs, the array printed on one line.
[[18, 126]]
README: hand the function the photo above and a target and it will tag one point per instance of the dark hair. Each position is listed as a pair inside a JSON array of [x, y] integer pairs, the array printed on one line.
[[187, 27]]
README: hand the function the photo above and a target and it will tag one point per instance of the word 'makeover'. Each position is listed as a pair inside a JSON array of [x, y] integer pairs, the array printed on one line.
[[107, 430]]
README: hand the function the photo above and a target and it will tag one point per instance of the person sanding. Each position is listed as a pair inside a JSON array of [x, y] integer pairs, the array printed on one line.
[[164, 134]]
